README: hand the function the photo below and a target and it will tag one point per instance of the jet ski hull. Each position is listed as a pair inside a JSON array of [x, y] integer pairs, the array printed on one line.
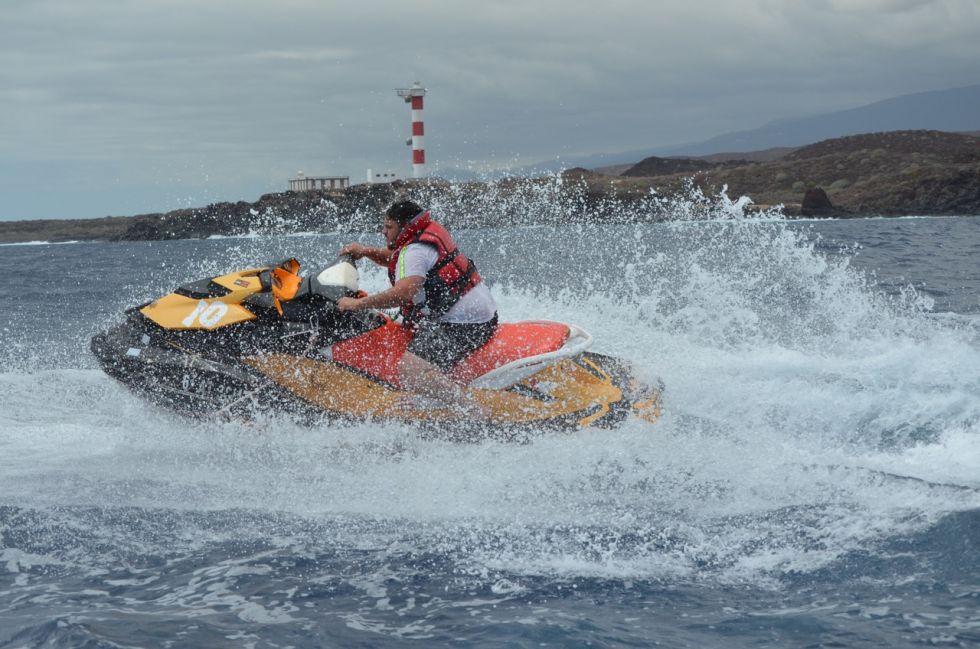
[[188, 383], [312, 362], [586, 390]]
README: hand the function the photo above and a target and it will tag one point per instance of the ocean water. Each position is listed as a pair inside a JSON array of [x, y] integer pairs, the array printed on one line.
[[814, 482]]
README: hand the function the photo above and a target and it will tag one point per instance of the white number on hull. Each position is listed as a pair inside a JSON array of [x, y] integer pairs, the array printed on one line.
[[207, 313]]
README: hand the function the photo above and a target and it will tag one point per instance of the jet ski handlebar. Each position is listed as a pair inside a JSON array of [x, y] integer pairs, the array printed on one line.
[[343, 273], [281, 284]]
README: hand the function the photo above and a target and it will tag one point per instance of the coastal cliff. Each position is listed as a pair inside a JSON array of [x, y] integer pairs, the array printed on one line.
[[889, 174]]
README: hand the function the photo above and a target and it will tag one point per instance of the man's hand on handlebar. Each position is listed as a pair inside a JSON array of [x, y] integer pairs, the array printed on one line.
[[355, 250], [349, 304]]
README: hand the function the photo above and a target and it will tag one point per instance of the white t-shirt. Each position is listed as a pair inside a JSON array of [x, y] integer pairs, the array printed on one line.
[[477, 305]]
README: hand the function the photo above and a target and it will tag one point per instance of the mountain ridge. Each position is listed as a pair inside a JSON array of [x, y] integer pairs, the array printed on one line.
[[951, 110]]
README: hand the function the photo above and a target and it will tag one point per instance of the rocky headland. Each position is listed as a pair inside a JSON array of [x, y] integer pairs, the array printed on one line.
[[889, 174]]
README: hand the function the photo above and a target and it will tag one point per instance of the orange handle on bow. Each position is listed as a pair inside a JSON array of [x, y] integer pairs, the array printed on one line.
[[285, 282]]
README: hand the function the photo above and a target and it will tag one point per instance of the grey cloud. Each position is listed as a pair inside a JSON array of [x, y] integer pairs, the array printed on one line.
[[223, 95]]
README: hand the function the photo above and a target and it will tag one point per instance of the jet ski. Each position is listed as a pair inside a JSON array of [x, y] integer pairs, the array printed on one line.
[[269, 340]]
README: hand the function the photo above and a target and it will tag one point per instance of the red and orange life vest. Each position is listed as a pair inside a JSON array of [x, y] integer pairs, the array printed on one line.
[[450, 279]]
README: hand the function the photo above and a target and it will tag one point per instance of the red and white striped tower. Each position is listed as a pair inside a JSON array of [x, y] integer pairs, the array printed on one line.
[[414, 96]]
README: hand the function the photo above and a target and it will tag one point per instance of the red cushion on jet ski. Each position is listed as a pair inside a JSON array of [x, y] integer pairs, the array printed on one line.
[[511, 342], [376, 352]]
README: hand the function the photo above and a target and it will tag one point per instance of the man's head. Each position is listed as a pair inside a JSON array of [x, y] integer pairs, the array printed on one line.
[[396, 217]]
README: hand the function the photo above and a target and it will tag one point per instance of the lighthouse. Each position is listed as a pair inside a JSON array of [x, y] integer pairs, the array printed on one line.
[[414, 97]]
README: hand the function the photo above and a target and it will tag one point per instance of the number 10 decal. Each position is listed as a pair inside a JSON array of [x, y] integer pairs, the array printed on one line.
[[207, 313]]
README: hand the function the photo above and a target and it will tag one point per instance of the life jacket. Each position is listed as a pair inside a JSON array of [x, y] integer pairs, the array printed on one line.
[[452, 276]]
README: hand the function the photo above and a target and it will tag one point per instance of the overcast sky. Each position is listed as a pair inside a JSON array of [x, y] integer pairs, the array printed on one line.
[[118, 107]]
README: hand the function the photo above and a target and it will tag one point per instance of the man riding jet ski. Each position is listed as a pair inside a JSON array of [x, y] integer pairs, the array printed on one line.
[[443, 301], [270, 340]]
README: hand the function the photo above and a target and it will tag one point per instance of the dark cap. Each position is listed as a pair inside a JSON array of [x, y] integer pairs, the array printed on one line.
[[403, 211]]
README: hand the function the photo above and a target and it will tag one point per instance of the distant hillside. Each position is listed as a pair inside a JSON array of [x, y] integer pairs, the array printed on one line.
[[947, 148], [765, 155], [900, 172], [955, 110], [649, 166], [657, 166]]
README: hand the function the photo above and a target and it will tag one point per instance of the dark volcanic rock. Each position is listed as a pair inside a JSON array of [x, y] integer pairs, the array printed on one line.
[[279, 213], [60, 230], [580, 173], [654, 166], [816, 203]]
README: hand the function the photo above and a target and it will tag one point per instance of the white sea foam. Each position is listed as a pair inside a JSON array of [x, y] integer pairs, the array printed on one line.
[[42, 243], [808, 415]]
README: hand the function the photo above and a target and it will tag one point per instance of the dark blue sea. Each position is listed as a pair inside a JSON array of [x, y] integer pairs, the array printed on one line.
[[814, 482]]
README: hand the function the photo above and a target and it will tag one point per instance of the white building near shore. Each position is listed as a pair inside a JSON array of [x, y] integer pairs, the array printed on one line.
[[302, 183]]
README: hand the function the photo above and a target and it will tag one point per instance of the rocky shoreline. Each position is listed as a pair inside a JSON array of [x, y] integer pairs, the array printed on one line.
[[888, 174]]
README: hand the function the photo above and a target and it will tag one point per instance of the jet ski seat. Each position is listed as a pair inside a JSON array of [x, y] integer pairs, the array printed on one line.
[[519, 349]]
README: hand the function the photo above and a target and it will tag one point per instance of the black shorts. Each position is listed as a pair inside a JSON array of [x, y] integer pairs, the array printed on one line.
[[445, 344]]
